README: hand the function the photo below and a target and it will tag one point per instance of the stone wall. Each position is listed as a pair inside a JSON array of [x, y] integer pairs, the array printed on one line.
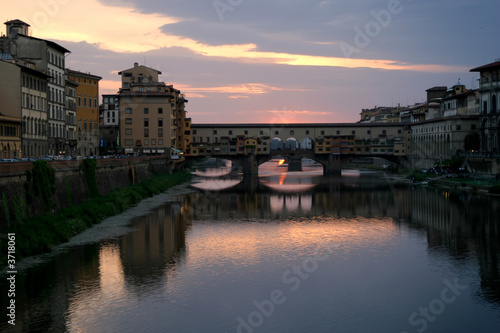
[[16, 193]]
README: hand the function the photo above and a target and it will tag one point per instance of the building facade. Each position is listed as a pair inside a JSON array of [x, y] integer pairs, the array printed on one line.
[[489, 92], [21, 79], [48, 58], [110, 122], [58, 144], [440, 139], [72, 131], [146, 112], [87, 112]]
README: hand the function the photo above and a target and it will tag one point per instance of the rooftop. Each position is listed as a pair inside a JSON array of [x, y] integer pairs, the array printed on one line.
[[493, 65], [12, 22]]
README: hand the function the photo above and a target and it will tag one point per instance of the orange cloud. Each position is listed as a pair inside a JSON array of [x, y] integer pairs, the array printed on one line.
[[109, 86], [246, 88], [123, 34], [238, 96], [294, 116]]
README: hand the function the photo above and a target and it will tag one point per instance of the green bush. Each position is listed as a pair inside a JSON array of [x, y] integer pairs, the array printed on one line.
[[39, 234]]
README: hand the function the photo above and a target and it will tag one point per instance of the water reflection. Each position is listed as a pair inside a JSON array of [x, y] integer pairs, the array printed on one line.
[[86, 288], [199, 264]]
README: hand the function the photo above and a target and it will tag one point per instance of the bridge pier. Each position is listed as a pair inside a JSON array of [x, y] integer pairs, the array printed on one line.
[[294, 163], [250, 165], [332, 165]]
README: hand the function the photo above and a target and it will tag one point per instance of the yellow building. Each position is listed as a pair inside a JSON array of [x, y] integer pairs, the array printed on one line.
[[87, 111]]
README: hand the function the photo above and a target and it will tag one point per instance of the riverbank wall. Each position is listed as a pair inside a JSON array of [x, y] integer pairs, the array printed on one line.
[[27, 191]]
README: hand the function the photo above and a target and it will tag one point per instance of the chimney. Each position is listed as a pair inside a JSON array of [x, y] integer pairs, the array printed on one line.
[[136, 64]]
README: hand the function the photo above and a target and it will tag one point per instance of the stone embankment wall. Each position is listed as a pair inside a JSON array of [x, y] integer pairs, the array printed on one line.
[[70, 182], [489, 166]]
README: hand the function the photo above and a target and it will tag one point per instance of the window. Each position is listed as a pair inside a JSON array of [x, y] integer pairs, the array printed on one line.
[[146, 122], [128, 131], [129, 142], [153, 142], [322, 132], [146, 132], [459, 127], [230, 133], [215, 132], [160, 110], [146, 110], [160, 132], [128, 110], [291, 132], [261, 132], [246, 132], [160, 122]]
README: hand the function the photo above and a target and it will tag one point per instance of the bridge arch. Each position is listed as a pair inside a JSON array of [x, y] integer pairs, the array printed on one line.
[[277, 144], [291, 144], [307, 143]]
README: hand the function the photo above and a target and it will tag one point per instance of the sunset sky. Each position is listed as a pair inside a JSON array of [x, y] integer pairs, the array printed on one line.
[[275, 61]]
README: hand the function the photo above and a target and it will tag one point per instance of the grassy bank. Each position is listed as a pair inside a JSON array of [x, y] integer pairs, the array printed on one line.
[[39, 234]]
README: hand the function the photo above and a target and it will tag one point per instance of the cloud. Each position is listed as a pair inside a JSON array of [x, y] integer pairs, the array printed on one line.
[[238, 96], [125, 28], [247, 88]]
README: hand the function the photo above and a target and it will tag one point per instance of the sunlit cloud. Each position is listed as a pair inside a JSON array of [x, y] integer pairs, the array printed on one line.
[[247, 88], [238, 96], [194, 95], [122, 29], [109, 86], [293, 116], [295, 112]]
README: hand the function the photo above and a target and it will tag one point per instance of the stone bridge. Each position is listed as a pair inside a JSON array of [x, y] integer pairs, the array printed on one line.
[[329, 144]]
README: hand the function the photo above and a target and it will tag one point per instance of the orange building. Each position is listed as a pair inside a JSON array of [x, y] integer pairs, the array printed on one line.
[[87, 111]]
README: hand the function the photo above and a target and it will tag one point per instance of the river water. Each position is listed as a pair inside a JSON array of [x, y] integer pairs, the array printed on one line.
[[293, 252]]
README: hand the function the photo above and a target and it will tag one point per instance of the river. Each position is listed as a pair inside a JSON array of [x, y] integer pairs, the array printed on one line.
[[291, 252]]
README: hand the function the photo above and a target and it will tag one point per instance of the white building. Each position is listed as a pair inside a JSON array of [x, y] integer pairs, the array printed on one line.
[[49, 58]]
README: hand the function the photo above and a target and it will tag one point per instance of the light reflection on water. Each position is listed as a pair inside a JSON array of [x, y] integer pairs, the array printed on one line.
[[349, 254]]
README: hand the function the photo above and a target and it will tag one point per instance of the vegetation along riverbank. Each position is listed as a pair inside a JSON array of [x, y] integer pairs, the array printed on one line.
[[38, 234]]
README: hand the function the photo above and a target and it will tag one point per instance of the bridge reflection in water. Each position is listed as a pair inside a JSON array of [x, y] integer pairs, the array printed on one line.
[[135, 282]]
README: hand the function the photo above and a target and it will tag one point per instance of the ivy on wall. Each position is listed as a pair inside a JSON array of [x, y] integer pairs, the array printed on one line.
[[89, 167], [43, 180]]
